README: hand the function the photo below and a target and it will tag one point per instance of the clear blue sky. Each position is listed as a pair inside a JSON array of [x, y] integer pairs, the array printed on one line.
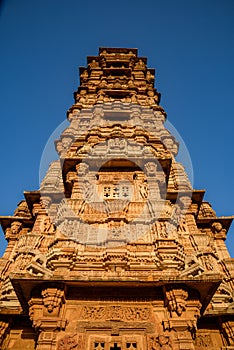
[[189, 42]]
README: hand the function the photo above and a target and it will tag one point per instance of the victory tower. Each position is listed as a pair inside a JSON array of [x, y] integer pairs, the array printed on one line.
[[116, 251]]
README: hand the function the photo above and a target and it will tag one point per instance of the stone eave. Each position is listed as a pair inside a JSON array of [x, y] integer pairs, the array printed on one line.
[[34, 196], [6, 221], [31, 198], [124, 50], [24, 284], [229, 313], [226, 221], [197, 195], [10, 312], [68, 163]]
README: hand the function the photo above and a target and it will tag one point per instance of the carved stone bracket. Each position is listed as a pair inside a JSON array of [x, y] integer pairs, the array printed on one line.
[[184, 309], [53, 297], [176, 297], [45, 311]]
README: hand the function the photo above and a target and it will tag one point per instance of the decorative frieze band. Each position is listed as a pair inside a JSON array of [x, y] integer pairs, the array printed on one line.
[[125, 313]]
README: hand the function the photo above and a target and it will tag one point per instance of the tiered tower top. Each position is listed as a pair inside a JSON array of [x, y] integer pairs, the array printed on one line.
[[117, 75]]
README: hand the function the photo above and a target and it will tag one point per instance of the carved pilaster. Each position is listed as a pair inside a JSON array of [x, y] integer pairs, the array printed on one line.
[[4, 326], [176, 298], [46, 313], [183, 311], [52, 298], [227, 327]]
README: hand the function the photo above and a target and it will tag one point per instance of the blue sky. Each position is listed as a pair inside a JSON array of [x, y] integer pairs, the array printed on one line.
[[189, 42]]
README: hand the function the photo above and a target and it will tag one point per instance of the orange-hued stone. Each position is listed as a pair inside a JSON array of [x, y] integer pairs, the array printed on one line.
[[116, 250]]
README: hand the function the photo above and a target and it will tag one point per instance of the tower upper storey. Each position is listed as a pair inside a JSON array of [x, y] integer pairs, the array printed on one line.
[[117, 74]]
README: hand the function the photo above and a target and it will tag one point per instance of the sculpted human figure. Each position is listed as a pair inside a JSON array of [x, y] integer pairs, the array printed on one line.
[[103, 84], [140, 64], [117, 142], [156, 180], [85, 187], [170, 145], [164, 342], [152, 97], [101, 96], [82, 169], [149, 76], [151, 168], [16, 227], [48, 226], [130, 83], [217, 227], [94, 64], [84, 76], [83, 97], [66, 142]]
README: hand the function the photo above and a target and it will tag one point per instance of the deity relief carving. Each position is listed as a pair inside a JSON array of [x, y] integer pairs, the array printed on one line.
[[84, 76], [140, 65], [67, 343], [144, 189], [94, 64], [203, 340], [161, 341], [216, 227], [86, 183], [117, 143]]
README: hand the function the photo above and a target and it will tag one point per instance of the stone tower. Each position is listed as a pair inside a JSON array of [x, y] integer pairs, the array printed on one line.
[[116, 251]]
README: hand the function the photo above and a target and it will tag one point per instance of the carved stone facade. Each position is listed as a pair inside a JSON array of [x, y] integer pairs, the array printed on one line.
[[116, 251]]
